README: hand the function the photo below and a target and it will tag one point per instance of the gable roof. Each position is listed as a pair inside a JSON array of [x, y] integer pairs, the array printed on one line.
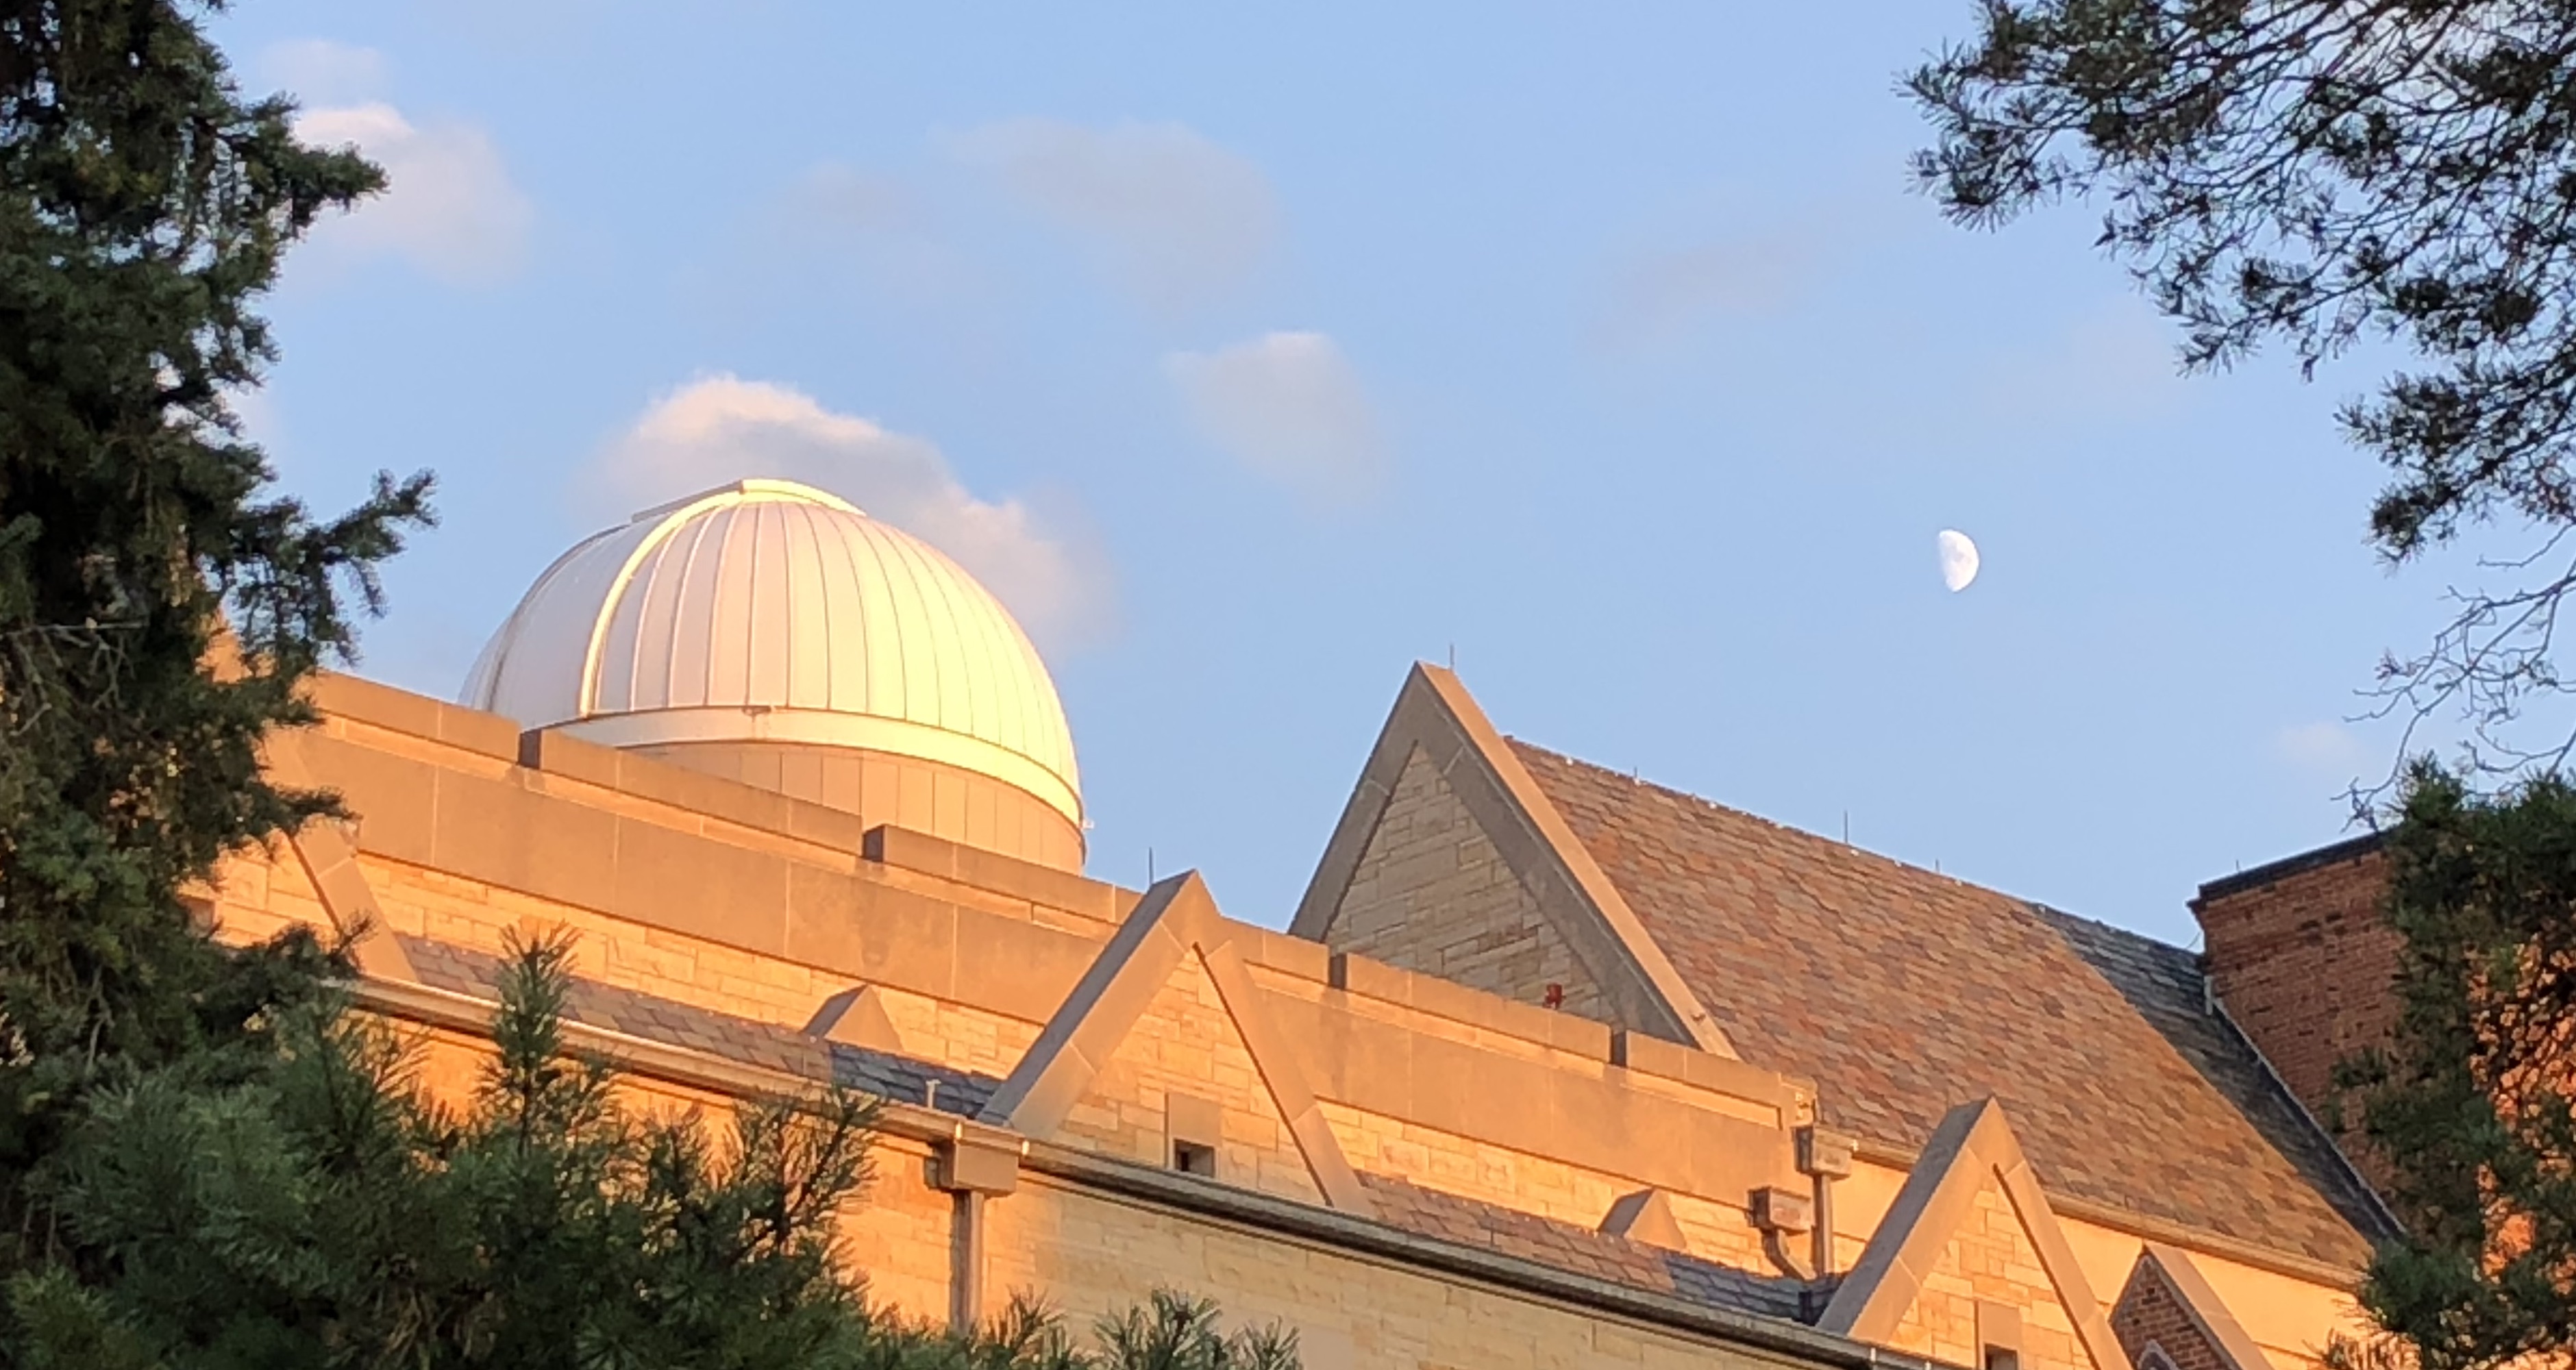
[[1973, 1148], [1902, 993], [1175, 920]]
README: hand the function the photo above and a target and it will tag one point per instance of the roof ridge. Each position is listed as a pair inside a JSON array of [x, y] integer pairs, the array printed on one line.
[[1822, 840], [2129, 934]]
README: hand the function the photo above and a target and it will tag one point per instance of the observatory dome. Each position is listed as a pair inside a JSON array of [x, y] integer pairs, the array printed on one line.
[[771, 633]]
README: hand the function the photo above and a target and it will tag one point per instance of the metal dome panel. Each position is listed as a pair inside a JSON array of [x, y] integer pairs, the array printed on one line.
[[771, 611]]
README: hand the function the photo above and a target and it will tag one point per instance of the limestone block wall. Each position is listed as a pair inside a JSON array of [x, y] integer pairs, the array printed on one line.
[[1432, 894], [1989, 1265], [1090, 1251], [1185, 1046]]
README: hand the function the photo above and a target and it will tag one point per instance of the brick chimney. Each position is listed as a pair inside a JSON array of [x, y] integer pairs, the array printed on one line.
[[2297, 954]]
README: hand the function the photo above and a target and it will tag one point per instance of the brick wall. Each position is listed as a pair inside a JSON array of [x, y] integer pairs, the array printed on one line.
[[2149, 1314], [2299, 956], [1431, 894]]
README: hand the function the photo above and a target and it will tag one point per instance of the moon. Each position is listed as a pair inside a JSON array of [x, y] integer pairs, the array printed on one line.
[[1958, 559]]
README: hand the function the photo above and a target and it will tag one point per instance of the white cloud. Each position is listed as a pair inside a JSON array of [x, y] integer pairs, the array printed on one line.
[[1173, 217], [1288, 406], [720, 428], [320, 71], [1658, 297], [2330, 751], [448, 207], [256, 411]]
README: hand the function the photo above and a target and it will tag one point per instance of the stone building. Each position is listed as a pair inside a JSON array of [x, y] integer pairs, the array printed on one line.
[[1552, 1068]]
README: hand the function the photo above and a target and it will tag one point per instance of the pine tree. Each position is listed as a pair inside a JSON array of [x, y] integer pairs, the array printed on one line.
[[2468, 1108]]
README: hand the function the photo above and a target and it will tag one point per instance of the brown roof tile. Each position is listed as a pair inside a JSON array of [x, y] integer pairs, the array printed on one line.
[[1902, 993]]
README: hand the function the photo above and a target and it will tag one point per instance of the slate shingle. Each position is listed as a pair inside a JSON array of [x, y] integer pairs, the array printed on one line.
[[1903, 993], [1564, 1246], [748, 1040]]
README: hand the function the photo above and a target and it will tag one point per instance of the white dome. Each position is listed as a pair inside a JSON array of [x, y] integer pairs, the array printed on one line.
[[767, 611]]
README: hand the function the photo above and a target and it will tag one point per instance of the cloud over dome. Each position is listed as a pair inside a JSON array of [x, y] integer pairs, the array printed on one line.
[[719, 428]]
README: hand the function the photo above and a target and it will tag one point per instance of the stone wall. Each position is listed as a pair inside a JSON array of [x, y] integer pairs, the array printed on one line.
[[1432, 894], [1991, 1265]]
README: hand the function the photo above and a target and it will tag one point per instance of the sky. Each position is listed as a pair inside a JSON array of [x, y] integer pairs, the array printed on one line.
[[1251, 354]]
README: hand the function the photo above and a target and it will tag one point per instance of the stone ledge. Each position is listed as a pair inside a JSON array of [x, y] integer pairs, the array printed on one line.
[[1279, 952], [696, 792], [996, 873], [401, 711], [1649, 1055], [1474, 1007]]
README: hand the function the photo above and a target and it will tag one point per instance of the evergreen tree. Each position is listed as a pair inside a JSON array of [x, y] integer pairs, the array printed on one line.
[[143, 207], [2468, 1108]]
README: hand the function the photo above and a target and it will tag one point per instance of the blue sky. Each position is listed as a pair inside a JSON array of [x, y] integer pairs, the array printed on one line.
[[1253, 354]]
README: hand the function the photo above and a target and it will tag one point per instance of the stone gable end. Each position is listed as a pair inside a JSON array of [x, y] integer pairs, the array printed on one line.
[[1990, 1263], [1432, 894], [1187, 1045]]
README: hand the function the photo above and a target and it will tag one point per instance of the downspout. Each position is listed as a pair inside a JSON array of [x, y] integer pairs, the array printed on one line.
[[1824, 1157], [975, 1163]]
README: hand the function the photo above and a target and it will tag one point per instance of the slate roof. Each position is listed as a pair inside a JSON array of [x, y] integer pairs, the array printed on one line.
[[1903, 993], [460, 970], [1581, 1250]]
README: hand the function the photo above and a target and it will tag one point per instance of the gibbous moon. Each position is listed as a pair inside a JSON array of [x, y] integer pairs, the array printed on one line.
[[1958, 560]]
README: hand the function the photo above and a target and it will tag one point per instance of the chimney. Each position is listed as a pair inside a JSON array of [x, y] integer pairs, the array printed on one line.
[[2298, 956]]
